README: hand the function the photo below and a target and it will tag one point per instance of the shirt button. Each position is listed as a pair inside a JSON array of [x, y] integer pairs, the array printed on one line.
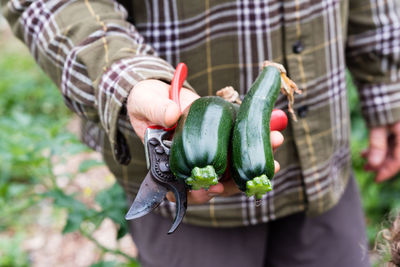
[[302, 111], [298, 47]]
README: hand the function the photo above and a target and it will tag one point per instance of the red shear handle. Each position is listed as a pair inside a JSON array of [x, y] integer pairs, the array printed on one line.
[[174, 90], [279, 120], [176, 86], [177, 82]]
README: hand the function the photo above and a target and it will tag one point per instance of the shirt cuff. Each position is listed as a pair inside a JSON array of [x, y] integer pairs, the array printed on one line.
[[380, 103], [114, 87]]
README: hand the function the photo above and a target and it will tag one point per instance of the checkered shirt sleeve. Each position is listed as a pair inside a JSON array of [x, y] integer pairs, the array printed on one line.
[[91, 53]]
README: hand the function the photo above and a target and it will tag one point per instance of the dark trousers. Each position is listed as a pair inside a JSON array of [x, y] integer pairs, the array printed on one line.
[[335, 239]]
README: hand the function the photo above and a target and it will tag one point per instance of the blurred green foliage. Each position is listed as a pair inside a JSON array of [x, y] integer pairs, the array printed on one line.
[[33, 132], [10, 252]]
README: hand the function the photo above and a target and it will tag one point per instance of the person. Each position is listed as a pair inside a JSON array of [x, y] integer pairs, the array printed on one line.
[[113, 60]]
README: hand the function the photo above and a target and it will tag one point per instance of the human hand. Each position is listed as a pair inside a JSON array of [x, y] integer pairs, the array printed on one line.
[[383, 153], [149, 104]]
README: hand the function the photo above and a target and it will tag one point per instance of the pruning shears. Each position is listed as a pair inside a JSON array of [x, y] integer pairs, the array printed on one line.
[[159, 180]]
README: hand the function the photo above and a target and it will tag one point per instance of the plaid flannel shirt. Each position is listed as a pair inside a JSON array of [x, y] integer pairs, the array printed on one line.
[[96, 51]]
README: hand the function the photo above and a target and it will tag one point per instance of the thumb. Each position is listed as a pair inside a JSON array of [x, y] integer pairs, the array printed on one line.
[[149, 101], [161, 111], [377, 146], [171, 114]]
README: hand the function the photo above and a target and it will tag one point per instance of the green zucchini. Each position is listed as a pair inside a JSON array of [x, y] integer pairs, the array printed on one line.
[[200, 144], [252, 155]]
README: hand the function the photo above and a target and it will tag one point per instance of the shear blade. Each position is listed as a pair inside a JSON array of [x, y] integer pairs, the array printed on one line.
[[149, 197], [179, 190]]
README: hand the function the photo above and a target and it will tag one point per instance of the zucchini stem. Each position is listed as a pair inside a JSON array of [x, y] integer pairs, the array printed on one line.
[[288, 87], [202, 177], [258, 186]]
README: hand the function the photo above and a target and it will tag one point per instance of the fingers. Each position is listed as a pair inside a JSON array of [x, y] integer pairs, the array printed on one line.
[[149, 101], [203, 196], [187, 97], [391, 165], [383, 153], [149, 104], [223, 189], [377, 146], [228, 187], [279, 120], [276, 139], [169, 115], [395, 129], [200, 196], [277, 166], [387, 170]]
